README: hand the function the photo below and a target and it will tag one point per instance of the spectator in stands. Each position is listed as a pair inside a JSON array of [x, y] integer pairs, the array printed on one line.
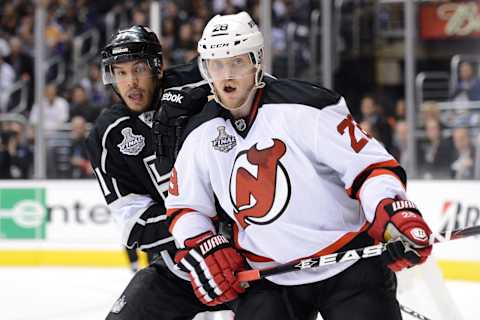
[[462, 166], [477, 158], [7, 74], [25, 32], [434, 154], [468, 86], [56, 109], [21, 62], [430, 110], [81, 106], [186, 46], [139, 17], [81, 167], [5, 158], [98, 94], [373, 113], [21, 152], [400, 113], [55, 35], [10, 17], [400, 142], [400, 110]]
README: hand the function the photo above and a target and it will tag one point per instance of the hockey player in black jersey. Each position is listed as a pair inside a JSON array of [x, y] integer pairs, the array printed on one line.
[[297, 176], [122, 151]]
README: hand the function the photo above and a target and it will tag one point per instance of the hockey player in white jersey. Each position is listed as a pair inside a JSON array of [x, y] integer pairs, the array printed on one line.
[[133, 169], [287, 163]]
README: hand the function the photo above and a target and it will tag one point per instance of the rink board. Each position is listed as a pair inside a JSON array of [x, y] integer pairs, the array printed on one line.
[[55, 222]]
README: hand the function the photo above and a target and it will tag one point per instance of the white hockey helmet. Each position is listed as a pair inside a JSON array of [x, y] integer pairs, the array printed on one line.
[[228, 36]]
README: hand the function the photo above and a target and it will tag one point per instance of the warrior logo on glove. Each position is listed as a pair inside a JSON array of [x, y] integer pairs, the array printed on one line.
[[401, 220], [212, 264]]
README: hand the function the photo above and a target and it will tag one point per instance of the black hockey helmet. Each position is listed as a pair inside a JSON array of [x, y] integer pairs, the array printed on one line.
[[134, 43]]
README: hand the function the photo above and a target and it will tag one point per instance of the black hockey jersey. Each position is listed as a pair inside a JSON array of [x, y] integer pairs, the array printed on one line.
[[122, 152]]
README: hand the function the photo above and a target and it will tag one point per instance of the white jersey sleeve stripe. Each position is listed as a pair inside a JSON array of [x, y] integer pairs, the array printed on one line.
[[156, 243], [378, 188], [127, 211]]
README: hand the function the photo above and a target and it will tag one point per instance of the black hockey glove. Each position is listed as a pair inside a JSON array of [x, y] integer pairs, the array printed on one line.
[[176, 107]]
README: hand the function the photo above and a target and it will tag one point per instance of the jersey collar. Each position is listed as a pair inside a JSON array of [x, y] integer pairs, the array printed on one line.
[[242, 125]]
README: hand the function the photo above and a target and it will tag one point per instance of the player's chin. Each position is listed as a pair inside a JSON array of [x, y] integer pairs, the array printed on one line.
[[138, 106]]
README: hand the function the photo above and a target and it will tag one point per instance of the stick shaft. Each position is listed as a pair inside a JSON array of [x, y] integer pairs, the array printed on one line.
[[348, 255]]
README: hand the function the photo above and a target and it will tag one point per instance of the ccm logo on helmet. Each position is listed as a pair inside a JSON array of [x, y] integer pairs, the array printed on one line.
[[176, 98], [218, 45]]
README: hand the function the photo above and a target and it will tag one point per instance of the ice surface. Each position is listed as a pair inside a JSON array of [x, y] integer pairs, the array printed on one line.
[[46, 293]]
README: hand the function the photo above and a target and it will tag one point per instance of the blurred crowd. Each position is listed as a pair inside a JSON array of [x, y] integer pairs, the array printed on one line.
[[448, 143], [75, 95]]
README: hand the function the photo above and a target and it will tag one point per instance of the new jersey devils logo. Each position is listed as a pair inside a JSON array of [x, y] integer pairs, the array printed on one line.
[[259, 185]]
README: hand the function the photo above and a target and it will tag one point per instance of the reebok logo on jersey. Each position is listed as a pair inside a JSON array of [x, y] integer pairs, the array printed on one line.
[[212, 243], [172, 97], [132, 144]]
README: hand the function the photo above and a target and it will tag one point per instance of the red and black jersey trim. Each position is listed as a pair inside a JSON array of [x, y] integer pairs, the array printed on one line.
[[350, 240], [289, 91], [251, 116], [391, 167]]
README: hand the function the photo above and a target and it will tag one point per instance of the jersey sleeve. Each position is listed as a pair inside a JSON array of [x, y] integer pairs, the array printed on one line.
[[190, 202], [142, 220], [368, 172]]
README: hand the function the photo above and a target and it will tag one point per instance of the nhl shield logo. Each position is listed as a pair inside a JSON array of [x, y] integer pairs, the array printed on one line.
[[147, 118], [224, 142], [240, 124], [132, 144]]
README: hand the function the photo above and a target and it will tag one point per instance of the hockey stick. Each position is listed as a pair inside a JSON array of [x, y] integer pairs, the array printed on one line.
[[348, 255], [352, 255], [413, 313]]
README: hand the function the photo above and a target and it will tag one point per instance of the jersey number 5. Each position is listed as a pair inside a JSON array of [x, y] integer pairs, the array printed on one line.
[[357, 144]]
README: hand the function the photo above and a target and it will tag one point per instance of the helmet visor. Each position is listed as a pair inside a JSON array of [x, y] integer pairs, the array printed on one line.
[[236, 67], [126, 71]]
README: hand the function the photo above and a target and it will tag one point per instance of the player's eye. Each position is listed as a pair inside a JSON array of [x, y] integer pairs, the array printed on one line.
[[238, 62], [120, 74], [140, 69]]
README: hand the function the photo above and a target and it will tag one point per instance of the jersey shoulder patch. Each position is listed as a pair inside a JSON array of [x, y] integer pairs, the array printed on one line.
[[287, 91]]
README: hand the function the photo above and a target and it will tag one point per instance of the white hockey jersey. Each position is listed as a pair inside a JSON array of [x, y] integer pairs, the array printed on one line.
[[290, 176]]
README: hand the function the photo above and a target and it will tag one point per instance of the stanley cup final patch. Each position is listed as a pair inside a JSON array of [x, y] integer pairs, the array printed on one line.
[[132, 144], [223, 142]]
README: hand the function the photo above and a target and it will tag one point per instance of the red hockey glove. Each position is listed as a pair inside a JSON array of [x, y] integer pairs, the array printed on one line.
[[212, 264], [401, 220]]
